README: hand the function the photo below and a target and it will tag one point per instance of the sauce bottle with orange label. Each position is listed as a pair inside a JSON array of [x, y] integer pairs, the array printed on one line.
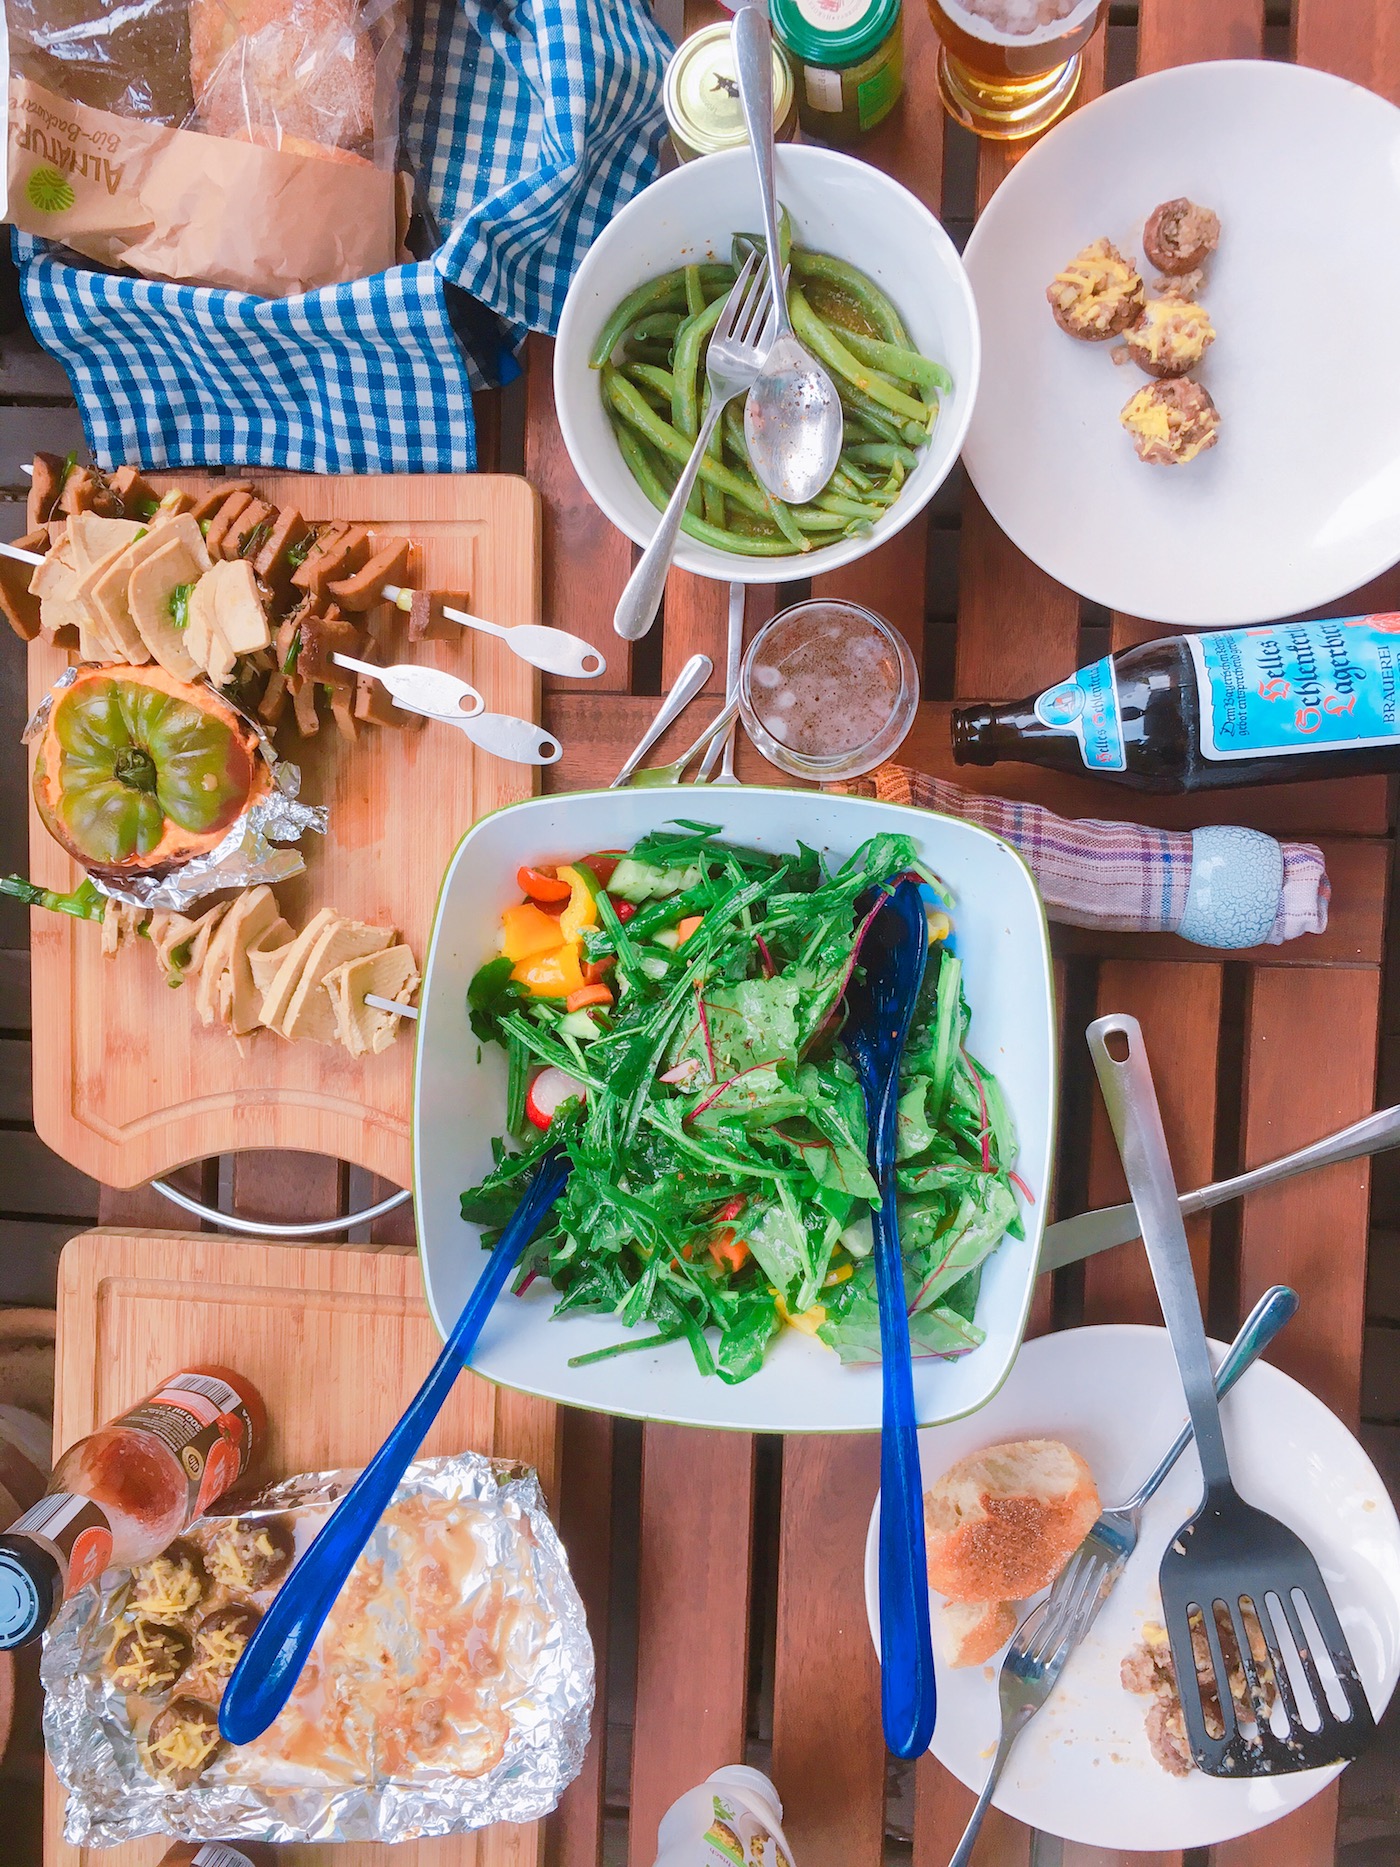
[[126, 1491]]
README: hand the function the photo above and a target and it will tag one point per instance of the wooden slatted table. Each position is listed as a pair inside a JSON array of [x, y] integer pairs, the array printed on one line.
[[740, 1567]]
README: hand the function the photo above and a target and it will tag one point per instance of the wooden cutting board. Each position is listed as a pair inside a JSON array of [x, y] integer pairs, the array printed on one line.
[[127, 1082], [337, 1341]]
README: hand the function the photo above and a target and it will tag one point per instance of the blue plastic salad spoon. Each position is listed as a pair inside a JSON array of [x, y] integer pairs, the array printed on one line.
[[272, 1660], [893, 954]]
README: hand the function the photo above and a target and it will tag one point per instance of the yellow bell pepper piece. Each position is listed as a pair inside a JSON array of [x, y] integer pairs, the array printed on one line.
[[550, 975], [807, 1320], [527, 930], [581, 910]]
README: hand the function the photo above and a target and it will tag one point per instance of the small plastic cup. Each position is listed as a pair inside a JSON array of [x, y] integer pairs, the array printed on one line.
[[828, 690]]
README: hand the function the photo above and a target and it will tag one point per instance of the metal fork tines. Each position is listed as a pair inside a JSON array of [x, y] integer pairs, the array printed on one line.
[[1032, 1664], [738, 346]]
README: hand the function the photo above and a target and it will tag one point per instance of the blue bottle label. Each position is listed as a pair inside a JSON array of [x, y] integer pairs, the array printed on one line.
[[1087, 706], [1299, 687]]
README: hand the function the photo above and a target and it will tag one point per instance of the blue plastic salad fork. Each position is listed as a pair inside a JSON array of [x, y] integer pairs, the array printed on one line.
[[272, 1660], [893, 954]]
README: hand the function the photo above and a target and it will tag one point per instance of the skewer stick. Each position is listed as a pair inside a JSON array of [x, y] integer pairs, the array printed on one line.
[[392, 1005], [21, 557]]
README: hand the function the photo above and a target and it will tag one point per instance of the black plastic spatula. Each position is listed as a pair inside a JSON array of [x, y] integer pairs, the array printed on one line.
[[1231, 1571]]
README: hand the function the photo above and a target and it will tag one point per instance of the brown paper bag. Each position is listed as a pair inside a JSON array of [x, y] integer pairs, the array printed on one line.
[[176, 204]]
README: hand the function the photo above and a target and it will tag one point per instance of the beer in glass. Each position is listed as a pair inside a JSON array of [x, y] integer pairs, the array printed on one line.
[[1008, 68]]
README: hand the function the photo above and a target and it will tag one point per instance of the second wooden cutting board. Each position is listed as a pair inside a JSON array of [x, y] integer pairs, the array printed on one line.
[[337, 1342], [127, 1082]]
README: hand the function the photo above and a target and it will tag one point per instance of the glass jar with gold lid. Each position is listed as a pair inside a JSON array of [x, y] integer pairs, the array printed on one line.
[[702, 95]]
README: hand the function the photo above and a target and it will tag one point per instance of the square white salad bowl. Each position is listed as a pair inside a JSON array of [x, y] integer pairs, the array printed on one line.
[[460, 1089]]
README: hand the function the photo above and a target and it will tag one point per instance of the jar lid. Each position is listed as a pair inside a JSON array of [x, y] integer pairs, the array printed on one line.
[[836, 33], [702, 91]]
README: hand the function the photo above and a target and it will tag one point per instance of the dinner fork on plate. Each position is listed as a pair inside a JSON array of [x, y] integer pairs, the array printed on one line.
[[1054, 1627]]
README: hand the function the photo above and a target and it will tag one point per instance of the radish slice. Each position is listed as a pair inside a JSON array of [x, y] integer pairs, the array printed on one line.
[[549, 1089]]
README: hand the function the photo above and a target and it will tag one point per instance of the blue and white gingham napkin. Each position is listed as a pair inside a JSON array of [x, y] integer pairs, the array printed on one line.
[[529, 124]]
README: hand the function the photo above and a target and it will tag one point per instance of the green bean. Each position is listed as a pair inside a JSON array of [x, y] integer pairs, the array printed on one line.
[[685, 367], [643, 472], [877, 420], [650, 376], [634, 409], [856, 285], [882, 454], [694, 292], [904, 365], [780, 514], [848, 508], [848, 478], [823, 343], [759, 242], [655, 325], [666, 293]]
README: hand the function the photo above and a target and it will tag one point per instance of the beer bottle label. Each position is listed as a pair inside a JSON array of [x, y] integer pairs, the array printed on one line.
[[1086, 705], [1299, 687]]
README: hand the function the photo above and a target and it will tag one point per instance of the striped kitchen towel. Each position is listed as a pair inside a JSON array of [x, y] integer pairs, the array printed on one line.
[[528, 123], [1222, 886]]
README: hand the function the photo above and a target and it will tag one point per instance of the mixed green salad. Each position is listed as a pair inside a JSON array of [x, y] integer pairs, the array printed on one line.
[[682, 1041]]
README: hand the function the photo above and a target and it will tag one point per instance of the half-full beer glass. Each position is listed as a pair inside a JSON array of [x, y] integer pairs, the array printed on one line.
[[1007, 68]]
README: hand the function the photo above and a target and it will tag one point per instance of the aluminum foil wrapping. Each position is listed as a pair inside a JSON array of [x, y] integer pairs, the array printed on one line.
[[533, 1703], [248, 853]]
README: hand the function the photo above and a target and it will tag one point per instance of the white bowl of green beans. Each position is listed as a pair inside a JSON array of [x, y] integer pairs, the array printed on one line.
[[877, 291]]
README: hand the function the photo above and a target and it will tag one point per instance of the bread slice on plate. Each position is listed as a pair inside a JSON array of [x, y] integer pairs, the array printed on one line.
[[969, 1632], [363, 1028], [1003, 1522]]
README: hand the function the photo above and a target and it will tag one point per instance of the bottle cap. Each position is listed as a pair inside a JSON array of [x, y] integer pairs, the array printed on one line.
[[834, 33], [29, 1579]]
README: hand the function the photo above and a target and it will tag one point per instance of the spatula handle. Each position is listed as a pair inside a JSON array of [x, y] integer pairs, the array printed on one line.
[[1131, 1100]]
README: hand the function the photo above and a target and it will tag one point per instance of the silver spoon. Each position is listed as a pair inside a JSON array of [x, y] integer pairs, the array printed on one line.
[[684, 688], [440, 696], [554, 651], [792, 419]]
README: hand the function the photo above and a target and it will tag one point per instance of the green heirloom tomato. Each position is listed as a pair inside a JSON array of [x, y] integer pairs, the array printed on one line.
[[137, 771]]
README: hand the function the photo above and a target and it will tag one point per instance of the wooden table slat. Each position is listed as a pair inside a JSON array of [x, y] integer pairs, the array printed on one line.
[[828, 1753], [1178, 1006], [585, 560], [692, 1617]]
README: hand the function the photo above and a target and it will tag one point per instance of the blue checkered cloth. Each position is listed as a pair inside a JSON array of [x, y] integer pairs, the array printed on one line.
[[529, 123]]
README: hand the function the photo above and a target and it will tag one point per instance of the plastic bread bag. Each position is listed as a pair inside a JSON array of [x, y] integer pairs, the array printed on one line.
[[249, 144]]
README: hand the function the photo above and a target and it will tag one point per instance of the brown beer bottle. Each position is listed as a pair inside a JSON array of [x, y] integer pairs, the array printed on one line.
[[1264, 705]]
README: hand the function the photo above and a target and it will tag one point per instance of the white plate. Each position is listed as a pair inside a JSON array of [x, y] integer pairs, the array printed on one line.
[[460, 1103], [1299, 501], [1082, 1768]]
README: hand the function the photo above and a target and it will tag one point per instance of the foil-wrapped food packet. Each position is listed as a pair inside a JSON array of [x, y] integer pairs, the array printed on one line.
[[451, 1687]]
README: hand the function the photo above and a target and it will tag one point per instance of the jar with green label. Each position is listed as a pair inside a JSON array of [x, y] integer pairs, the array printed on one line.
[[850, 62]]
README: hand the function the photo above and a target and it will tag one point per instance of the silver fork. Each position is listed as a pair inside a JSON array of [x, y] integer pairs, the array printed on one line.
[[733, 661], [1033, 1662], [738, 347], [1054, 1628]]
